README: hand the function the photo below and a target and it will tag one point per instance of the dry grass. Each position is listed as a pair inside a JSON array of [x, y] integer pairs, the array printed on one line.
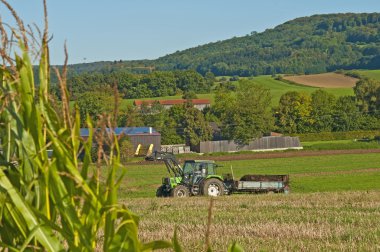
[[346, 221], [325, 80]]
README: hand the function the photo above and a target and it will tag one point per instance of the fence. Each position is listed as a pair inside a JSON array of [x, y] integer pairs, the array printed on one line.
[[260, 144]]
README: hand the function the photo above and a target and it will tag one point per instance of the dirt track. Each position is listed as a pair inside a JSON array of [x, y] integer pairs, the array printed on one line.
[[268, 155]]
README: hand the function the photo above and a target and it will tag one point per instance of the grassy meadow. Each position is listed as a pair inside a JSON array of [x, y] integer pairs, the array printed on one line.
[[340, 145], [374, 74], [346, 172], [278, 88]]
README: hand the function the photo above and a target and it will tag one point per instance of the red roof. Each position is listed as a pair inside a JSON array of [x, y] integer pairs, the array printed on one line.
[[172, 102]]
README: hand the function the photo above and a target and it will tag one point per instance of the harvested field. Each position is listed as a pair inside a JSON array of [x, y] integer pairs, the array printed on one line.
[[326, 80], [344, 221]]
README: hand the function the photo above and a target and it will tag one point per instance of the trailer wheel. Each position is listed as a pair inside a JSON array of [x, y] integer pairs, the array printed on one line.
[[213, 187], [180, 191]]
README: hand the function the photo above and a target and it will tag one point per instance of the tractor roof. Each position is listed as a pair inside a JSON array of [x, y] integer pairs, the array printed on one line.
[[199, 161]]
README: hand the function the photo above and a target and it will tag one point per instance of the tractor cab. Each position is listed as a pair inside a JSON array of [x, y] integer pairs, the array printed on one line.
[[194, 171], [205, 167]]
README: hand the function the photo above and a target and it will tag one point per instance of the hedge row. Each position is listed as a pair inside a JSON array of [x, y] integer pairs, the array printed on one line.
[[329, 136]]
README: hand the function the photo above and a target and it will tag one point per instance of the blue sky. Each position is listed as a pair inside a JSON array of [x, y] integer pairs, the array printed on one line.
[[97, 30]]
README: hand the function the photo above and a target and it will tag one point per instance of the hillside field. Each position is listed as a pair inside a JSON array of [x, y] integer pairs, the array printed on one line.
[[334, 204], [276, 87], [374, 74], [324, 80]]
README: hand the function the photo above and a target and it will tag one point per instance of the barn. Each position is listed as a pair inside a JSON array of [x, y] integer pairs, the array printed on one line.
[[137, 135]]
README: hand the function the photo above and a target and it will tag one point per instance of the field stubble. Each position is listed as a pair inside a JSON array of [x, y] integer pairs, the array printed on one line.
[[339, 221]]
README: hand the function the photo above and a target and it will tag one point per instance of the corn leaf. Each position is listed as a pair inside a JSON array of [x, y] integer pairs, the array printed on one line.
[[44, 235]]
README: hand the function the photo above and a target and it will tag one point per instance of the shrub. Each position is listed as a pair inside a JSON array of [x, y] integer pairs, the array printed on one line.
[[126, 149]]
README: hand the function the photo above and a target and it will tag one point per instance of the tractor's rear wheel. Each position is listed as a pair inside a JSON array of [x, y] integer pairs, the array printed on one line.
[[180, 191], [213, 187]]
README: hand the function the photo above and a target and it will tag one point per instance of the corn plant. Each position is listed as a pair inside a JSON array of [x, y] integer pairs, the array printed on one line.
[[53, 202]]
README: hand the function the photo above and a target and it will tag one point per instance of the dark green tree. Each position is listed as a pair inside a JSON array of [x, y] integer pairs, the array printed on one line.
[[130, 116], [322, 109], [196, 128], [189, 95], [170, 134], [174, 123], [347, 116], [154, 115], [246, 114], [367, 92], [95, 103], [210, 79]]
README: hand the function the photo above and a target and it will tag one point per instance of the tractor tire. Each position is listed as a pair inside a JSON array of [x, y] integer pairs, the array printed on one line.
[[160, 193], [213, 187], [180, 191]]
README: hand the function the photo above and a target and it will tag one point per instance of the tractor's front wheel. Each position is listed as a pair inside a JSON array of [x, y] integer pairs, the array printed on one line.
[[213, 187], [161, 192], [180, 191]]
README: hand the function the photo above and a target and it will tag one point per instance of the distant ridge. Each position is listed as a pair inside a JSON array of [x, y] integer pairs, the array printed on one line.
[[305, 45]]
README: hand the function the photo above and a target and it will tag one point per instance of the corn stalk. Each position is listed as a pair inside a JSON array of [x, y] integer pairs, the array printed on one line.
[[55, 202]]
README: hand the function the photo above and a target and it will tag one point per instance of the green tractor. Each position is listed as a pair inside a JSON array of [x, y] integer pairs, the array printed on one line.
[[195, 177]]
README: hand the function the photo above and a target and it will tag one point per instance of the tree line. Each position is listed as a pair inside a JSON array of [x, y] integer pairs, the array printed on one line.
[[155, 84], [247, 112]]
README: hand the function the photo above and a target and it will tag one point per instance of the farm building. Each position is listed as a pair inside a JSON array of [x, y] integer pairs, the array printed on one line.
[[269, 143], [197, 103], [137, 135]]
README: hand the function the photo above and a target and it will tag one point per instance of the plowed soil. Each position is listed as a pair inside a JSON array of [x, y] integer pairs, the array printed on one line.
[[326, 80]]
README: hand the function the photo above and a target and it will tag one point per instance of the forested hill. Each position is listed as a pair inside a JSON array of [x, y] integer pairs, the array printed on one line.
[[315, 44]]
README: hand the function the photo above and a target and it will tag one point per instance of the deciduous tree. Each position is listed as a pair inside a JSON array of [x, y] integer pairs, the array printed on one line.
[[293, 115], [322, 109], [246, 114], [367, 92]]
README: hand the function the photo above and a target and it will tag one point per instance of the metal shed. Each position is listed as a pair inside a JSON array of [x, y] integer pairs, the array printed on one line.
[[137, 135]]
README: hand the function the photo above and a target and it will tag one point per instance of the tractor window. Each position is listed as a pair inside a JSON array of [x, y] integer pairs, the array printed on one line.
[[189, 167], [211, 169]]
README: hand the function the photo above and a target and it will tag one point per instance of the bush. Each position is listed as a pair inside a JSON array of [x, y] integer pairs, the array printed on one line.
[[189, 95], [234, 78], [126, 149]]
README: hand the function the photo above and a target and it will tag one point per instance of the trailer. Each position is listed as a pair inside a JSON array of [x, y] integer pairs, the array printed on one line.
[[257, 184]]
